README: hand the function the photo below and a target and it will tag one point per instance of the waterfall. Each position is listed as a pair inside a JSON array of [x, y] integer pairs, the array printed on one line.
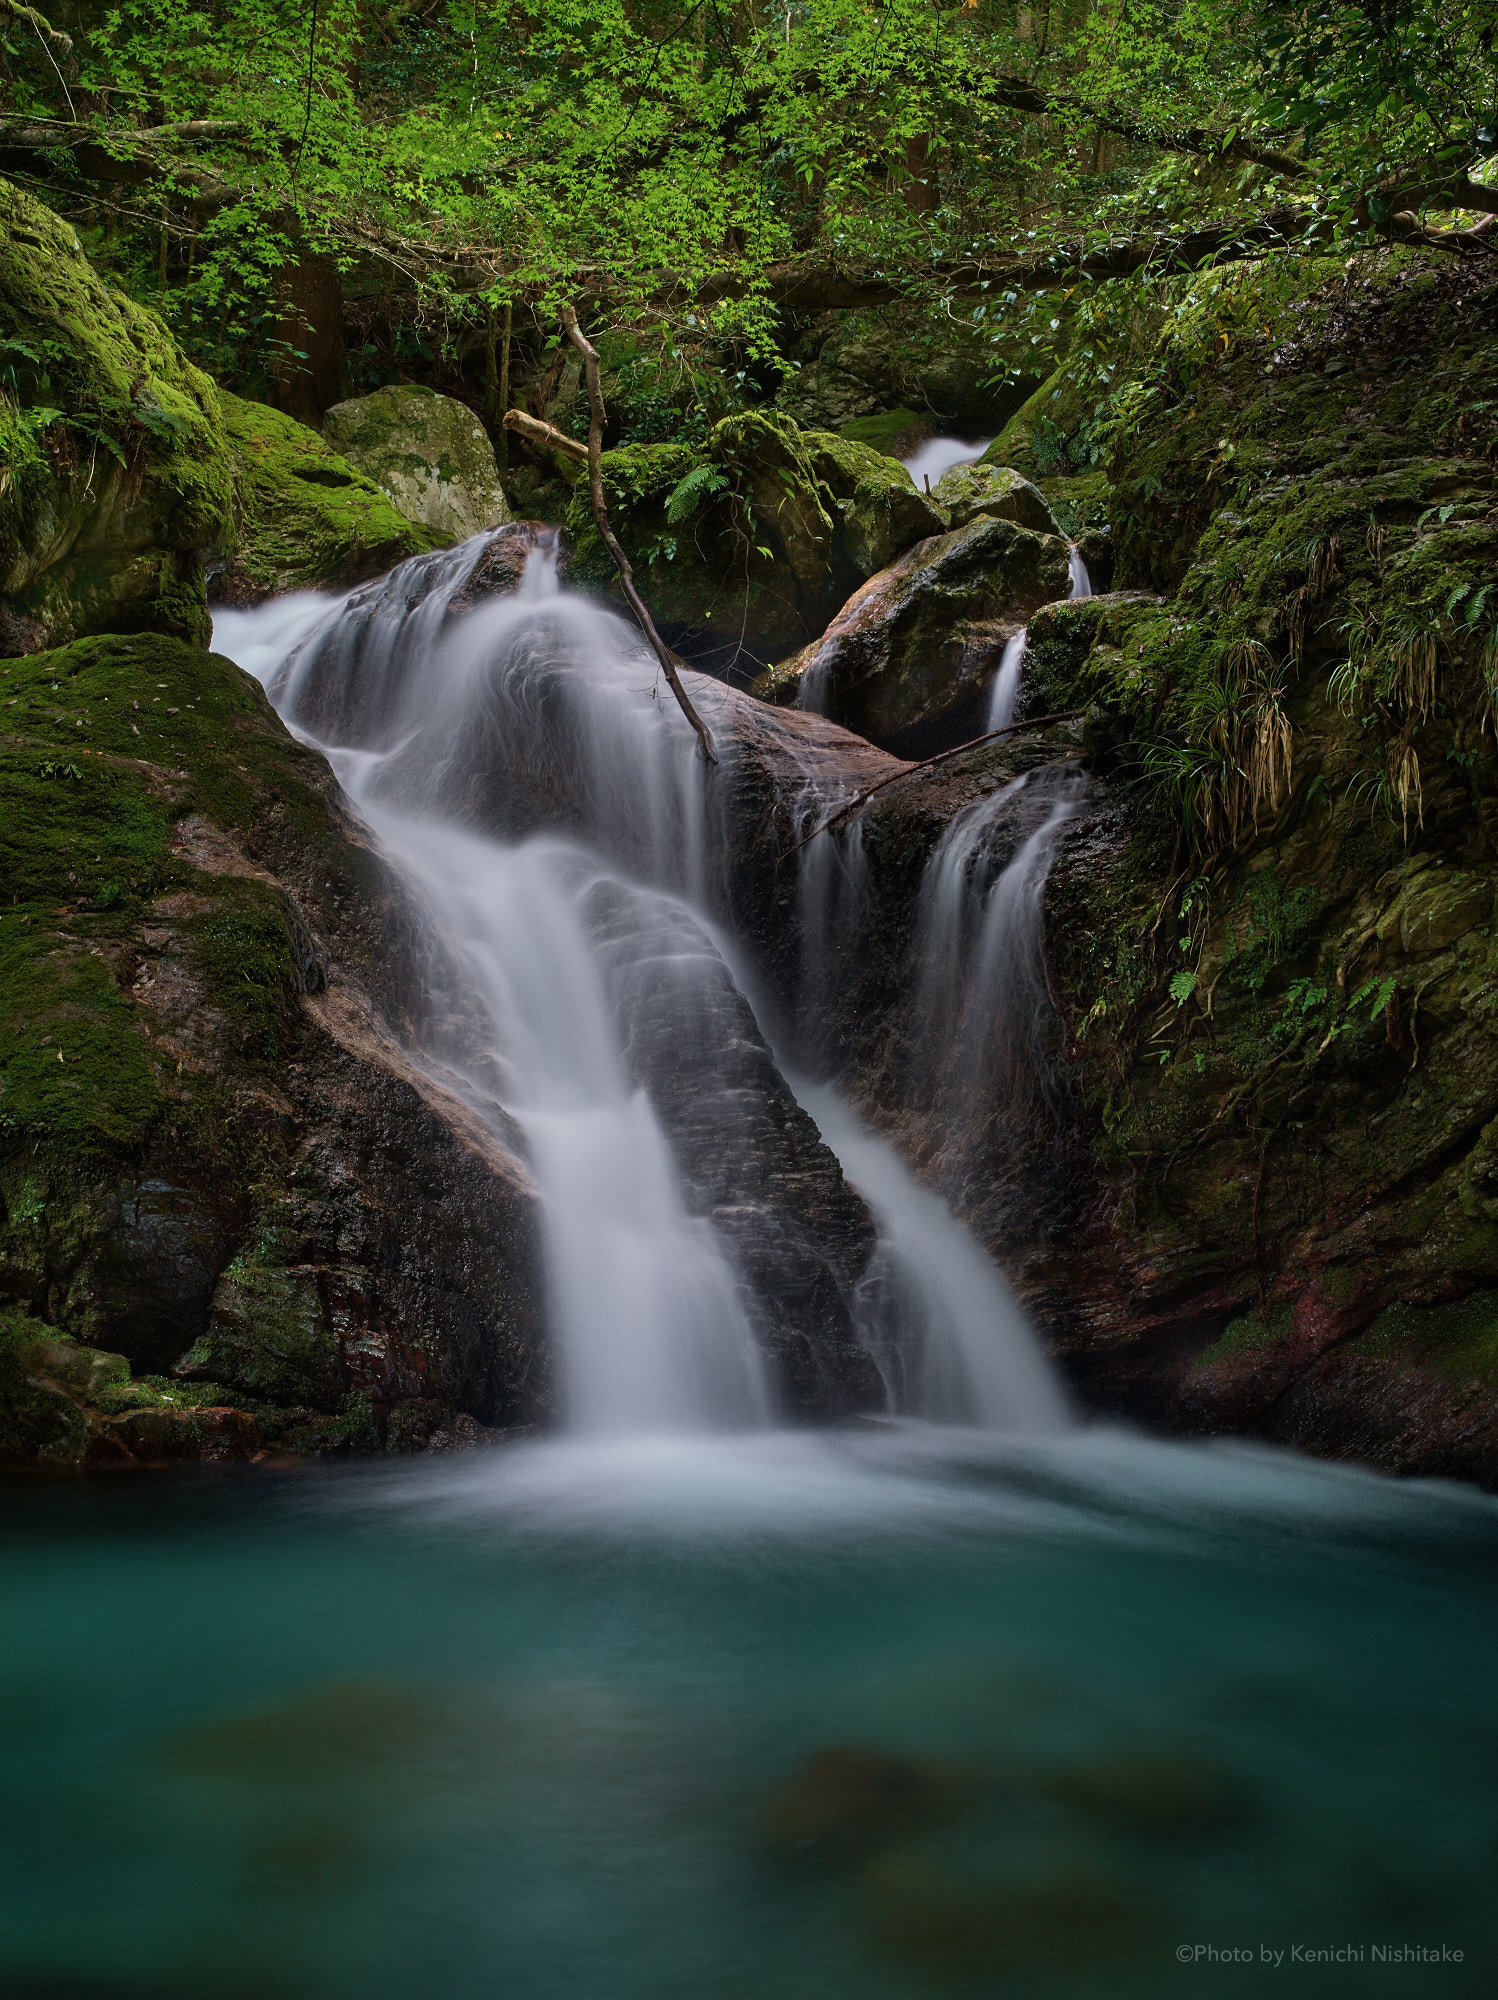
[[1006, 681], [515, 761], [983, 1012], [941, 1321], [1005, 690]]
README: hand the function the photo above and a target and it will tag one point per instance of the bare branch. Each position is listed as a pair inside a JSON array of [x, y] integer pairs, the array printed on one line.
[[534, 431]]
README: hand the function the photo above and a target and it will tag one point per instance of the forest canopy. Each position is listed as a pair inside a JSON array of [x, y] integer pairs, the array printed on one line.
[[710, 164]]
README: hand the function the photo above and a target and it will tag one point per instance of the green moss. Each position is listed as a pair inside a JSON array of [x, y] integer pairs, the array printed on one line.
[[137, 443], [894, 433], [304, 517], [1257, 1332], [1458, 1341]]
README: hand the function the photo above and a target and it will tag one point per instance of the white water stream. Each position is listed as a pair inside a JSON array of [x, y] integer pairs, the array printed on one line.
[[1005, 690], [545, 951]]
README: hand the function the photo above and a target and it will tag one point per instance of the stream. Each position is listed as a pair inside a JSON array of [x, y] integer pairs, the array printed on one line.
[[962, 1696]]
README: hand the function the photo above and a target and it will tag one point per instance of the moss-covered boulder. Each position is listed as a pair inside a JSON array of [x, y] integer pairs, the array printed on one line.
[[304, 518], [747, 546], [65, 1406], [917, 644], [867, 365], [1049, 435], [428, 453], [114, 472], [208, 1128], [885, 515], [966, 491]]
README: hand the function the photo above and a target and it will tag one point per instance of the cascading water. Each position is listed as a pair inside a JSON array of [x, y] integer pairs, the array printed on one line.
[[1005, 690], [938, 455], [561, 948], [982, 1001]]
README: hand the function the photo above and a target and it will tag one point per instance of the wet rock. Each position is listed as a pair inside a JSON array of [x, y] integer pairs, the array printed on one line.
[[1169, 1796], [751, 1160], [922, 638], [1077, 1916], [850, 1800], [234, 1156], [500, 568], [428, 453]]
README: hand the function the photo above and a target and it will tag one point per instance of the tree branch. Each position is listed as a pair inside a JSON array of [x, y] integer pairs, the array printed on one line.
[[601, 516], [535, 431], [57, 39]]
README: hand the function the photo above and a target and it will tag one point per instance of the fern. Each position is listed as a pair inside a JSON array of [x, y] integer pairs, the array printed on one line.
[[688, 495]]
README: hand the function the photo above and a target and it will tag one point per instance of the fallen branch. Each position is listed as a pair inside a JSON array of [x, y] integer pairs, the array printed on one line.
[[534, 431], [1010, 729], [601, 517]]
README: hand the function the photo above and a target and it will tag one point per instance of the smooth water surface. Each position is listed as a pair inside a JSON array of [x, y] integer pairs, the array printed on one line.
[[878, 1714]]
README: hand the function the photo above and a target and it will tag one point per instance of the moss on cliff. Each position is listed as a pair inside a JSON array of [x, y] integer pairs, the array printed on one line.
[[1281, 985], [117, 479]]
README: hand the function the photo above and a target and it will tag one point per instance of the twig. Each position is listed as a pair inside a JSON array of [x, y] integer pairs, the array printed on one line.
[[1010, 729], [601, 516]]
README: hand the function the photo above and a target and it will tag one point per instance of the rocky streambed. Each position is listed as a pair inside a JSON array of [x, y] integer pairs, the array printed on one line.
[[1237, 1163]]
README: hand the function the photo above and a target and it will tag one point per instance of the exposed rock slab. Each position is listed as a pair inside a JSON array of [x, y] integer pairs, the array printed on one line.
[[923, 637]]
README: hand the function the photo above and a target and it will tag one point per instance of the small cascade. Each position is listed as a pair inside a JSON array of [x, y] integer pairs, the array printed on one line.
[[1005, 690], [551, 813], [938, 1316], [938, 455], [980, 1067]]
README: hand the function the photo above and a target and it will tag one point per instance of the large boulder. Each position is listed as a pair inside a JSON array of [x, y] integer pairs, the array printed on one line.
[[917, 643], [115, 487], [966, 491], [304, 518], [428, 453], [745, 547]]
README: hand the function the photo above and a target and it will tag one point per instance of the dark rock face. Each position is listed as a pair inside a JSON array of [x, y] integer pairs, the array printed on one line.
[[923, 638], [234, 1168], [752, 1160]]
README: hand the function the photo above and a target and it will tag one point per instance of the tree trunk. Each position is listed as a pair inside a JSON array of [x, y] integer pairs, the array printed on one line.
[[307, 360]]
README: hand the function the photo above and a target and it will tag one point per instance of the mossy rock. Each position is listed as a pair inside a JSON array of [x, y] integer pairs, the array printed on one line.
[[184, 1143], [304, 518], [117, 486], [1042, 439], [749, 545], [427, 452], [968, 491], [896, 434], [921, 640]]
